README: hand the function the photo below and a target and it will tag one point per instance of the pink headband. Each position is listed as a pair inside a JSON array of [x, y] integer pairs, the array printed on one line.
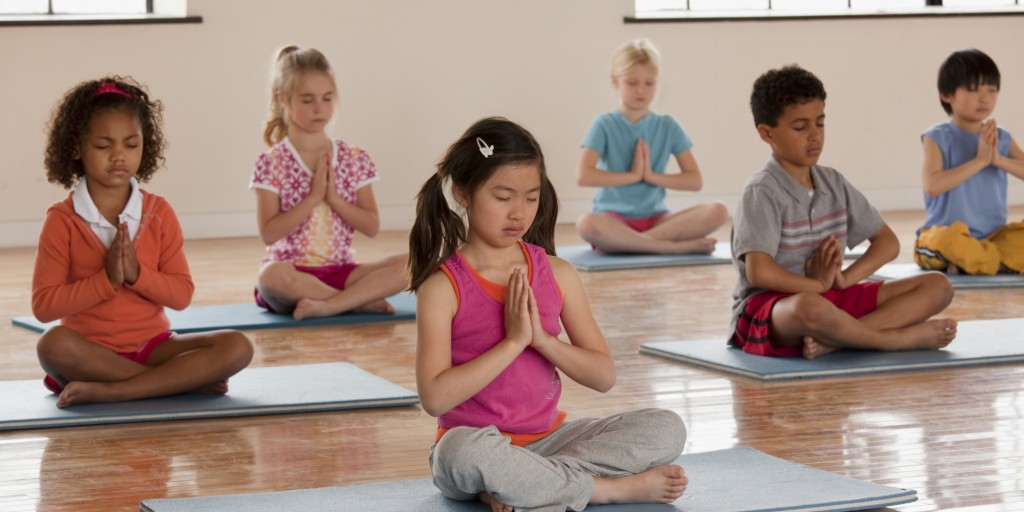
[[111, 88]]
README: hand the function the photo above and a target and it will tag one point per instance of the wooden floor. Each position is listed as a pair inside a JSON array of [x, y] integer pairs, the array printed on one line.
[[956, 436]]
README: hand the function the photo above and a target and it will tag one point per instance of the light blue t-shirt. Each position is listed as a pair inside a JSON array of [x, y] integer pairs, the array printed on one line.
[[614, 138], [979, 202]]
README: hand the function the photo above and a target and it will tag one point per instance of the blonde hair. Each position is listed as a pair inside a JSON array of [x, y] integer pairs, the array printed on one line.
[[289, 65], [637, 51]]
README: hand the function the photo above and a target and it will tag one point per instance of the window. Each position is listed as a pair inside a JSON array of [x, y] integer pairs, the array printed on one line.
[[75, 7], [653, 10], [93, 12]]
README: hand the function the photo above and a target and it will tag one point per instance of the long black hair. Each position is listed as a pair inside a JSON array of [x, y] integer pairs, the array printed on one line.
[[438, 230]]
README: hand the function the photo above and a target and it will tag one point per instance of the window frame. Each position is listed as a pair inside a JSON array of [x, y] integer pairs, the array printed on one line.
[[157, 12], [769, 14]]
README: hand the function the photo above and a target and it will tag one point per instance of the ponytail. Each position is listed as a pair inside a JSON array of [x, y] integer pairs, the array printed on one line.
[[289, 65], [436, 233]]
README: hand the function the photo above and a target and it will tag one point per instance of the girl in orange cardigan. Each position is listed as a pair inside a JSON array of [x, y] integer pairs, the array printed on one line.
[[110, 259]]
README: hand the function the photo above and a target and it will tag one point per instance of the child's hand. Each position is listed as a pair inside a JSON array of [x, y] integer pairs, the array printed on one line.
[[518, 321], [648, 171], [332, 189], [129, 262], [840, 281], [988, 139], [318, 187], [539, 334], [639, 160], [115, 268], [824, 264]]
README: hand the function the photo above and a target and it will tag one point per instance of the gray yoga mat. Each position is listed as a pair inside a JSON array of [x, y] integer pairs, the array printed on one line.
[[254, 391], [251, 316], [960, 281], [734, 480], [978, 343], [584, 258]]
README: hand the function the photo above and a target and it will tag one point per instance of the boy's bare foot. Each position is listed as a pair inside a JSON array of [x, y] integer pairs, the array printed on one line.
[[660, 484], [933, 334], [496, 506], [378, 306], [309, 308], [814, 348]]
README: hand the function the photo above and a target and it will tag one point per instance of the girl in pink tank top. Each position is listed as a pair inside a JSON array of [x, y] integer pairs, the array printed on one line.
[[488, 357]]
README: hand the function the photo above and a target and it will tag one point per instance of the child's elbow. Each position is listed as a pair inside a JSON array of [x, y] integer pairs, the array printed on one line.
[[431, 405]]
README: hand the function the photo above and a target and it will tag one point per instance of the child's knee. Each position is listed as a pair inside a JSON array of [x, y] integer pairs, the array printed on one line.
[[462, 448], [809, 309], [55, 346], [937, 286], [586, 226], [716, 213], [671, 431], [238, 349], [275, 277]]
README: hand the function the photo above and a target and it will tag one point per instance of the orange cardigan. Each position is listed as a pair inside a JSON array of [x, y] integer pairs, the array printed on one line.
[[76, 290]]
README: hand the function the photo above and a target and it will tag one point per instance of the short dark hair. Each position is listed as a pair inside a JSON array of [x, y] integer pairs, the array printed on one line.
[[968, 69], [779, 88], [72, 115]]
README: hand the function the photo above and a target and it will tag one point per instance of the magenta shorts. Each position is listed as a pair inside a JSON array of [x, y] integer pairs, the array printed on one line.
[[639, 225], [331, 275], [141, 357]]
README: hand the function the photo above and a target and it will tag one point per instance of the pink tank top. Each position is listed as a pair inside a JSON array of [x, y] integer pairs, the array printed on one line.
[[523, 399]]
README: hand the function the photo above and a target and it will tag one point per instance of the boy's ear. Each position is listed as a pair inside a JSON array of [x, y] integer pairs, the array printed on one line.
[[765, 132]]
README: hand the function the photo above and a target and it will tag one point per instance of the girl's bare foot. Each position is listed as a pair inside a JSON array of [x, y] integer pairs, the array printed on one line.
[[216, 388], [496, 506], [309, 308], [378, 306], [814, 348], [79, 392], [933, 334], [660, 484], [695, 246]]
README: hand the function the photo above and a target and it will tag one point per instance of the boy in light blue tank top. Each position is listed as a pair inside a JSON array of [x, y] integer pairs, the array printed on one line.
[[966, 160], [625, 154]]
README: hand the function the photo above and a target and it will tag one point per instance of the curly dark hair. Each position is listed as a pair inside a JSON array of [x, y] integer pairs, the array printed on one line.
[[779, 88], [70, 122]]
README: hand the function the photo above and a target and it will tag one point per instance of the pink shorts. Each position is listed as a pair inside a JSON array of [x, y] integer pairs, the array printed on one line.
[[639, 225], [331, 275], [753, 330], [141, 357]]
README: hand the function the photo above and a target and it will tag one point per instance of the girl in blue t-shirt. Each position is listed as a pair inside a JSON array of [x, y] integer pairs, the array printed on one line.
[[625, 154]]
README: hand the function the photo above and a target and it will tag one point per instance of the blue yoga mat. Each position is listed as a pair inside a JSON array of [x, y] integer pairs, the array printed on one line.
[[978, 343], [734, 480], [254, 391], [251, 316], [584, 258], [960, 281]]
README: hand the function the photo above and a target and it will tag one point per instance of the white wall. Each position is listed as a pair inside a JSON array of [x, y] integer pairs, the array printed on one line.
[[413, 75]]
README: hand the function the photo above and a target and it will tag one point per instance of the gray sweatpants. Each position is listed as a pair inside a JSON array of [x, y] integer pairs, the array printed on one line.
[[556, 472]]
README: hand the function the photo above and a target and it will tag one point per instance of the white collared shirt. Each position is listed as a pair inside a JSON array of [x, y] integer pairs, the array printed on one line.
[[86, 209]]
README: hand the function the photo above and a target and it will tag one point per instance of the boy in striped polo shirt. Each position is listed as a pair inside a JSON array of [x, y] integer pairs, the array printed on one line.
[[793, 298]]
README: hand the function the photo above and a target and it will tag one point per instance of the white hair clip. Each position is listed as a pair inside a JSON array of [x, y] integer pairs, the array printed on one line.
[[485, 150]]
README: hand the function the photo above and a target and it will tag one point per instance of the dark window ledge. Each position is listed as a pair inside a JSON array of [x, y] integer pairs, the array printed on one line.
[[30, 20], [780, 15]]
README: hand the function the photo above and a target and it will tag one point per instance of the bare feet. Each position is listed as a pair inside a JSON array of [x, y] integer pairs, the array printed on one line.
[[496, 506], [310, 308], [814, 348], [378, 306], [933, 334], [695, 246], [79, 392], [660, 484], [217, 388]]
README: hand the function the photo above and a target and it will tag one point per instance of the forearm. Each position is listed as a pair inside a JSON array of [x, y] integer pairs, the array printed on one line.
[[457, 384], [778, 279], [362, 220], [940, 182], [170, 289], [677, 181], [591, 368], [53, 301], [879, 253], [594, 177], [1012, 166], [283, 223]]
